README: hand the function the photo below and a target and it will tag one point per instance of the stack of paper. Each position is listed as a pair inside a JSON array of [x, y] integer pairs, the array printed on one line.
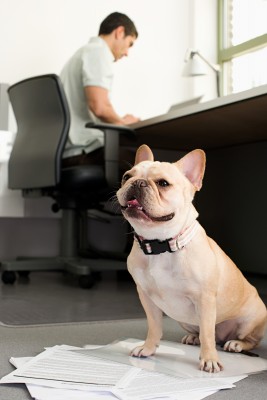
[[109, 373]]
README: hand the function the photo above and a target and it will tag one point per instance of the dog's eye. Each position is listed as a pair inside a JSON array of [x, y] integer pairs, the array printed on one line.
[[162, 183], [126, 177]]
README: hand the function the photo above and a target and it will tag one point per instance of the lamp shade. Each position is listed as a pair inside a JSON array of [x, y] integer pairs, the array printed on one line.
[[193, 67]]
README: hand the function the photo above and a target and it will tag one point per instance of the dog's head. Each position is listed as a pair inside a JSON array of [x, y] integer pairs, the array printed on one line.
[[157, 196]]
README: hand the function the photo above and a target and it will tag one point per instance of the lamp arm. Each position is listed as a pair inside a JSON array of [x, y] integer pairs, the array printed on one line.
[[215, 67]]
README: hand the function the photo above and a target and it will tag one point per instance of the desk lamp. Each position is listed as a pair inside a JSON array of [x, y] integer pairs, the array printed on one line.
[[194, 68]]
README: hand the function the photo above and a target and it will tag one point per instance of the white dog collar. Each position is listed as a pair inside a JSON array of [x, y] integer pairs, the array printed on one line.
[[155, 246]]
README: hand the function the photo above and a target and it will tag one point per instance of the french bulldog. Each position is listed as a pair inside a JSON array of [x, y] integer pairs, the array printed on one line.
[[178, 269]]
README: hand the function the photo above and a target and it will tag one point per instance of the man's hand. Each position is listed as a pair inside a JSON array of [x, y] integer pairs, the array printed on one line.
[[129, 119]]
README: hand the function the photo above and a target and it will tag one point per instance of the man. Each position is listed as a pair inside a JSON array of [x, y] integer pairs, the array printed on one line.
[[87, 80]]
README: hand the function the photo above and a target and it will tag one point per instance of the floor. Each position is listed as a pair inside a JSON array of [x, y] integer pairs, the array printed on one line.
[[54, 297]]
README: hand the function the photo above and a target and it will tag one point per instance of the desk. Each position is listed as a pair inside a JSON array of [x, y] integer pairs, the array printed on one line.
[[226, 121], [232, 203]]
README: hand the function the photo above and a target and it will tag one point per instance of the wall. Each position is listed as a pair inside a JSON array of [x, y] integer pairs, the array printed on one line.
[[203, 37], [37, 37]]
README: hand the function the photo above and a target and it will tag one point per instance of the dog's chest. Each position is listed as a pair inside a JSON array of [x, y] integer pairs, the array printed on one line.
[[166, 284]]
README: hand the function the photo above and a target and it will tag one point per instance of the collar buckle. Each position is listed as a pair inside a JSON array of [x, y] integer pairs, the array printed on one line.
[[154, 246]]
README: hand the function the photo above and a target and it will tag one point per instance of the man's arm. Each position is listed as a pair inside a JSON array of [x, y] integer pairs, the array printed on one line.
[[98, 102]]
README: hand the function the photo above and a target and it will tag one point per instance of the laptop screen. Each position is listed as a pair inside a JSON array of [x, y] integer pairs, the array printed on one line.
[[185, 103]]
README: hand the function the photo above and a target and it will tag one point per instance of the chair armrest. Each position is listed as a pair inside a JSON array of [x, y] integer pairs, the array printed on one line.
[[111, 148], [123, 129]]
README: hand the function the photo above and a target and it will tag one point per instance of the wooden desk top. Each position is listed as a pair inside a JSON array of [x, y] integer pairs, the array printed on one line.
[[226, 121]]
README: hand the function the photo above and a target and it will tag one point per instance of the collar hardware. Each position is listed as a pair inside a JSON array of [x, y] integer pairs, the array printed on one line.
[[155, 246]]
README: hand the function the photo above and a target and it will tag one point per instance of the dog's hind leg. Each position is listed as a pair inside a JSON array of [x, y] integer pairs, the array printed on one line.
[[193, 337], [248, 337]]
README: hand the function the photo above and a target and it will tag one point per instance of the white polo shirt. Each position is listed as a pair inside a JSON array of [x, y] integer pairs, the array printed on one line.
[[91, 65]]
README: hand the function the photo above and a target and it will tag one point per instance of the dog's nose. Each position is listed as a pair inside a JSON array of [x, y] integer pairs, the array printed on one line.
[[140, 183]]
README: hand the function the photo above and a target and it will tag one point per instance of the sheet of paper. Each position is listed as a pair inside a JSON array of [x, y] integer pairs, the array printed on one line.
[[47, 393], [19, 361], [148, 385], [139, 377], [135, 384], [68, 367], [179, 360]]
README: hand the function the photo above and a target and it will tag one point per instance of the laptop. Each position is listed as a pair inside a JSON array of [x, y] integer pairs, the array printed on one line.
[[185, 103]]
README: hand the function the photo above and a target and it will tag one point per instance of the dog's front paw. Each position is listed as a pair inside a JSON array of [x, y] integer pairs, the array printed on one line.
[[210, 365], [143, 351], [191, 339]]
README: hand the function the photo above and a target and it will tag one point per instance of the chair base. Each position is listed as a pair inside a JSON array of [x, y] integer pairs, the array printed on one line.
[[75, 257], [82, 267]]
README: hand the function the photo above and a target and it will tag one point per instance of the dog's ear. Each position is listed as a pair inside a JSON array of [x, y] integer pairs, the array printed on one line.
[[192, 165], [143, 153]]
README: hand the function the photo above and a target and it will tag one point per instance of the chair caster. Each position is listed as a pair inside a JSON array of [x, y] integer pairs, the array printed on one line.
[[24, 274], [9, 277], [86, 281]]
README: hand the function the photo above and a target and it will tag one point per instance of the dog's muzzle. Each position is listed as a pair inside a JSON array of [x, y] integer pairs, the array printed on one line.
[[135, 198]]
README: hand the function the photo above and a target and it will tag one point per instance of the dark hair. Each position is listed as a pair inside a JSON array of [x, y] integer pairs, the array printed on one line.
[[114, 20]]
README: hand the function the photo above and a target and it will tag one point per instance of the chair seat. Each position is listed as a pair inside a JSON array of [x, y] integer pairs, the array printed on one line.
[[82, 177]]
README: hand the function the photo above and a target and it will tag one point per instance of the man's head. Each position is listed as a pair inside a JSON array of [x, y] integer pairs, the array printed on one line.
[[119, 32], [116, 19]]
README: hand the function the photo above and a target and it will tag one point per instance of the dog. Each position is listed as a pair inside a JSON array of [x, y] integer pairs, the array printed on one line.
[[178, 269]]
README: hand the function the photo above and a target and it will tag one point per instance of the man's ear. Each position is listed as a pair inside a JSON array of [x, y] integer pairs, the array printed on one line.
[[143, 153], [192, 165], [119, 32]]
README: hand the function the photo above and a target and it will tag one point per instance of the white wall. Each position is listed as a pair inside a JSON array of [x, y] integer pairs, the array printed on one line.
[[37, 37], [204, 38]]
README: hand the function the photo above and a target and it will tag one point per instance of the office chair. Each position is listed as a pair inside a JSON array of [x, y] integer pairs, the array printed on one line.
[[43, 121]]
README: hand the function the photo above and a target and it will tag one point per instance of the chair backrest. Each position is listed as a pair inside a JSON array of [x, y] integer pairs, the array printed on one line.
[[43, 121]]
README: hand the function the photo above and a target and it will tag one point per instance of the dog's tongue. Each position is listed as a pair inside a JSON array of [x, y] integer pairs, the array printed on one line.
[[133, 203]]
